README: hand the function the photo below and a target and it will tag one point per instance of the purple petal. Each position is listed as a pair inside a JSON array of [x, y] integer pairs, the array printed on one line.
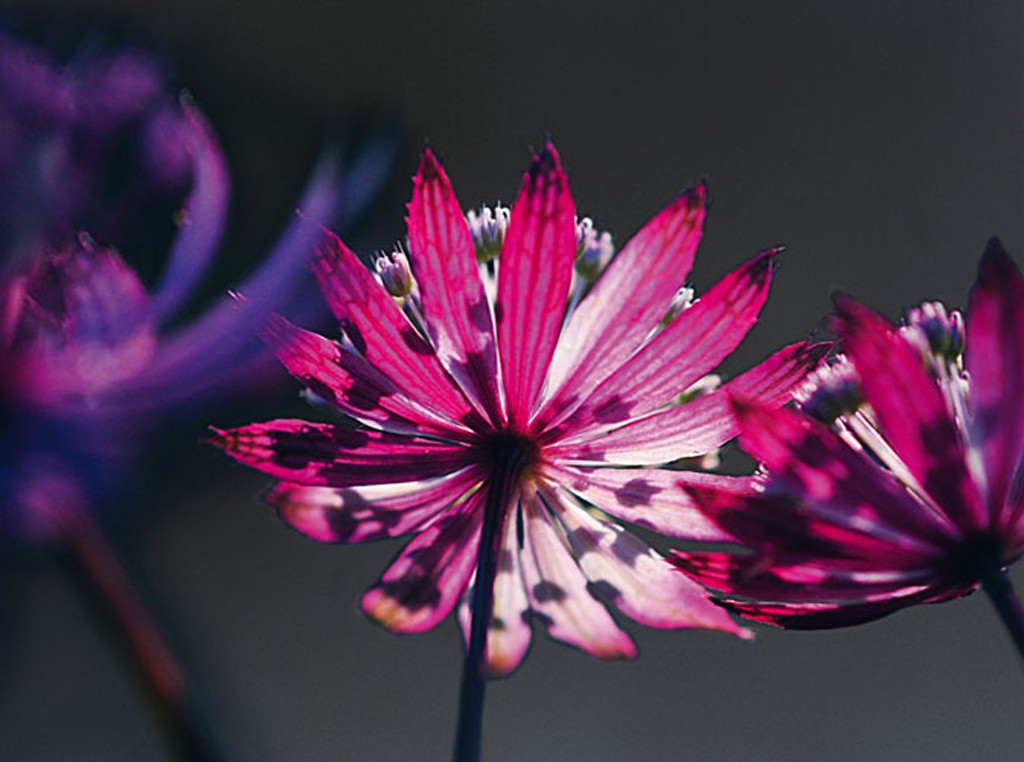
[[640, 282], [363, 514], [423, 584], [379, 330], [456, 309], [911, 411], [631, 576], [648, 498], [702, 425], [995, 364], [338, 456], [534, 272], [559, 593], [694, 344]]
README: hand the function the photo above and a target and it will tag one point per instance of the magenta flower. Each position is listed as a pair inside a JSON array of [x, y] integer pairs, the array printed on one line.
[[509, 435], [898, 484]]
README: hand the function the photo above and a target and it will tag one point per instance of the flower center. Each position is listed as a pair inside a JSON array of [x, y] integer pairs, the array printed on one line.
[[510, 453]]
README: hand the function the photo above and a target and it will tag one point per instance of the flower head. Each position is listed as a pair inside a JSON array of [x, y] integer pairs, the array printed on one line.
[[88, 360], [898, 483], [509, 419]]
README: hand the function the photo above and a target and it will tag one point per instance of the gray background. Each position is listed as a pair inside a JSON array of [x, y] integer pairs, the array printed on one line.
[[881, 142]]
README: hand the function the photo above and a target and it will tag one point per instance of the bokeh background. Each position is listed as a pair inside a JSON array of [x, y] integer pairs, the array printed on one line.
[[881, 142]]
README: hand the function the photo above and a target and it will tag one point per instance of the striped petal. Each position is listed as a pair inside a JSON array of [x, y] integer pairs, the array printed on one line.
[[338, 456], [534, 272], [362, 514], [423, 584], [631, 576], [380, 331], [822, 616], [626, 303], [693, 345], [911, 411], [559, 593], [455, 307]]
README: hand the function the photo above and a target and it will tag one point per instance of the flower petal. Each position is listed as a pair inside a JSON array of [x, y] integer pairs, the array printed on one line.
[[702, 425], [631, 576], [626, 303], [338, 456], [821, 616], [362, 514], [508, 638], [694, 344], [203, 221], [995, 363], [911, 411], [559, 594], [455, 306], [353, 385], [423, 584], [845, 487], [648, 498], [534, 272], [381, 332]]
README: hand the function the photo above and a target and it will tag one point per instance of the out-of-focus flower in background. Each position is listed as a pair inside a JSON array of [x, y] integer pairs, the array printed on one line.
[[91, 359], [899, 483], [509, 434]]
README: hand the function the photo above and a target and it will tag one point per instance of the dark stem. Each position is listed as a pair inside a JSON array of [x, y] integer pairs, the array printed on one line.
[[122, 606], [474, 673], [996, 583]]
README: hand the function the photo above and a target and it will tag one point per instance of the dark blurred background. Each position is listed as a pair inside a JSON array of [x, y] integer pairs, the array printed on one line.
[[881, 142]]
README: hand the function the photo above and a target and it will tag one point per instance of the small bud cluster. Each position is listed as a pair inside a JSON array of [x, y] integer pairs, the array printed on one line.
[[394, 272], [488, 228], [832, 391], [935, 331], [594, 250]]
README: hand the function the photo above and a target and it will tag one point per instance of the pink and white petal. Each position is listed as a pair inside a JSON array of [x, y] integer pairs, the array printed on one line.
[[702, 425], [424, 583], [363, 514], [559, 593], [382, 333], [648, 498], [793, 579], [203, 221], [994, 359], [844, 487], [348, 381], [626, 304], [455, 306], [694, 344], [911, 411], [821, 616], [535, 269], [508, 638], [338, 456], [631, 575]]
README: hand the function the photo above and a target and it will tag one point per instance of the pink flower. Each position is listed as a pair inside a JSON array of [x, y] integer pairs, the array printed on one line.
[[898, 484], [497, 424]]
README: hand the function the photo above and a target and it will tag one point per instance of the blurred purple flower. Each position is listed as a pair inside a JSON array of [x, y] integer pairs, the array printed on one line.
[[91, 359], [901, 480]]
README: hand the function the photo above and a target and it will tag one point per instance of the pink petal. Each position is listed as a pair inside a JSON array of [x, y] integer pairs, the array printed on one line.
[[380, 331], [424, 583], [508, 638], [635, 579], [348, 381], [911, 411], [534, 272], [203, 220], [995, 363], [819, 616], [648, 498], [702, 425], [699, 339], [456, 309], [559, 594], [338, 456], [363, 514], [791, 578], [844, 487], [626, 304]]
